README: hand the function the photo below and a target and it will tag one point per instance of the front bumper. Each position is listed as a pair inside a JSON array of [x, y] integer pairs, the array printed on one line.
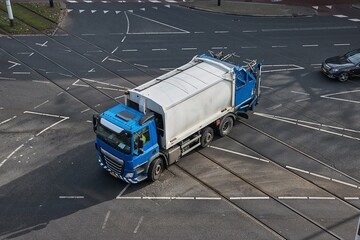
[[114, 174]]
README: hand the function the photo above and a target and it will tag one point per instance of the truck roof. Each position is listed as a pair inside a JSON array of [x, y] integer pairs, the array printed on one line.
[[123, 116], [183, 82]]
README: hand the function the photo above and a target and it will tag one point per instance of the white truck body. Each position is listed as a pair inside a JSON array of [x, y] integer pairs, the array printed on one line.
[[188, 98]]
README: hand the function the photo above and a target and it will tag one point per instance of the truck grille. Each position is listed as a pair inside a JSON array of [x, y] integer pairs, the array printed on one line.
[[113, 163]]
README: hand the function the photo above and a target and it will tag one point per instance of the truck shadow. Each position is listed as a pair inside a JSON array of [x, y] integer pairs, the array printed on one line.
[[69, 183]]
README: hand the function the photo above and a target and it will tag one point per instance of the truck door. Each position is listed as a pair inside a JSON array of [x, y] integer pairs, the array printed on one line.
[[149, 147]]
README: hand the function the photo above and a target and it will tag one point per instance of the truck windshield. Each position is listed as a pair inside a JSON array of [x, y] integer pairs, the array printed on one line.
[[120, 141]]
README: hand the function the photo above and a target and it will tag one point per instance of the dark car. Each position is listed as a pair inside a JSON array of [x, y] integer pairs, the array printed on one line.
[[342, 67]]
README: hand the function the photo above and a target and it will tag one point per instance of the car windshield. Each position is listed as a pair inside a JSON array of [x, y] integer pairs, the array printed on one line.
[[353, 56], [120, 141]]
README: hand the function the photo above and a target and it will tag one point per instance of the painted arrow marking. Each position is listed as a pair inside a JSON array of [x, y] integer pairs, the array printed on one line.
[[43, 44], [14, 64], [331, 96]]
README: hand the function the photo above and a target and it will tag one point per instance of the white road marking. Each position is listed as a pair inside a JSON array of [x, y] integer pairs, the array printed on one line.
[[188, 49], [249, 31], [221, 32], [93, 11], [322, 198], [344, 183], [208, 198], [302, 100], [248, 47], [218, 48], [70, 10], [88, 109], [274, 107], [71, 197], [129, 198], [282, 67], [81, 11], [316, 7], [140, 65], [91, 70], [123, 39], [105, 220], [88, 34], [324, 177], [199, 32], [164, 24], [329, 6], [330, 96], [71, 1], [351, 198], [159, 49], [105, 59], [21, 73], [38, 81], [310, 45], [47, 115], [249, 198], [139, 223], [114, 50], [300, 93], [117, 12], [14, 64], [354, 19], [122, 191], [41, 104], [114, 60], [106, 11], [318, 128], [240, 154], [6, 78], [279, 46], [11, 154], [7, 120], [341, 44], [293, 198], [130, 50], [340, 16]]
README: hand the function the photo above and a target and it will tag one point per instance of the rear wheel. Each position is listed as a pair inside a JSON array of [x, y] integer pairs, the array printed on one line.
[[343, 77], [225, 126], [155, 169], [207, 135]]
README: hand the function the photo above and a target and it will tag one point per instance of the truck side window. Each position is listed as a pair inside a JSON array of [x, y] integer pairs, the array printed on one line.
[[144, 135]]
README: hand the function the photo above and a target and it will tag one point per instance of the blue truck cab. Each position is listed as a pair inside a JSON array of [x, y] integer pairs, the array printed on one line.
[[126, 140]]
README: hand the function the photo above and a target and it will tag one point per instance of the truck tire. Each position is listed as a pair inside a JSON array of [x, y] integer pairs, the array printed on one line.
[[225, 126], [155, 169], [207, 135]]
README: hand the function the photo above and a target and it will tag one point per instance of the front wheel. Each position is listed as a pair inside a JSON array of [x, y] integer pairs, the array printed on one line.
[[207, 135], [155, 169], [343, 77]]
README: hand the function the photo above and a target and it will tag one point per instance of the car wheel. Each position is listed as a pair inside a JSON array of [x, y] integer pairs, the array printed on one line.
[[343, 77]]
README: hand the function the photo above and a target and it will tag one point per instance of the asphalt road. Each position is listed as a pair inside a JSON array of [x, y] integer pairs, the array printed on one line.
[[291, 171]]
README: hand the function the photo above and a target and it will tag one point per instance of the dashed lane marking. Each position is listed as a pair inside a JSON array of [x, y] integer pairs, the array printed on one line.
[[240, 154], [324, 177]]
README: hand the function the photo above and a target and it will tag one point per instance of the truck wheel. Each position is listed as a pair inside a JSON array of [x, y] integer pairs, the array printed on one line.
[[207, 135], [155, 169], [225, 126]]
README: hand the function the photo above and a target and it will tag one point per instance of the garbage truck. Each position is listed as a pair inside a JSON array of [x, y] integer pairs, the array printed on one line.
[[171, 115]]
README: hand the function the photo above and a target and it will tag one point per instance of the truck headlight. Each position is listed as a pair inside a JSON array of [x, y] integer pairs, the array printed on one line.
[[129, 175]]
